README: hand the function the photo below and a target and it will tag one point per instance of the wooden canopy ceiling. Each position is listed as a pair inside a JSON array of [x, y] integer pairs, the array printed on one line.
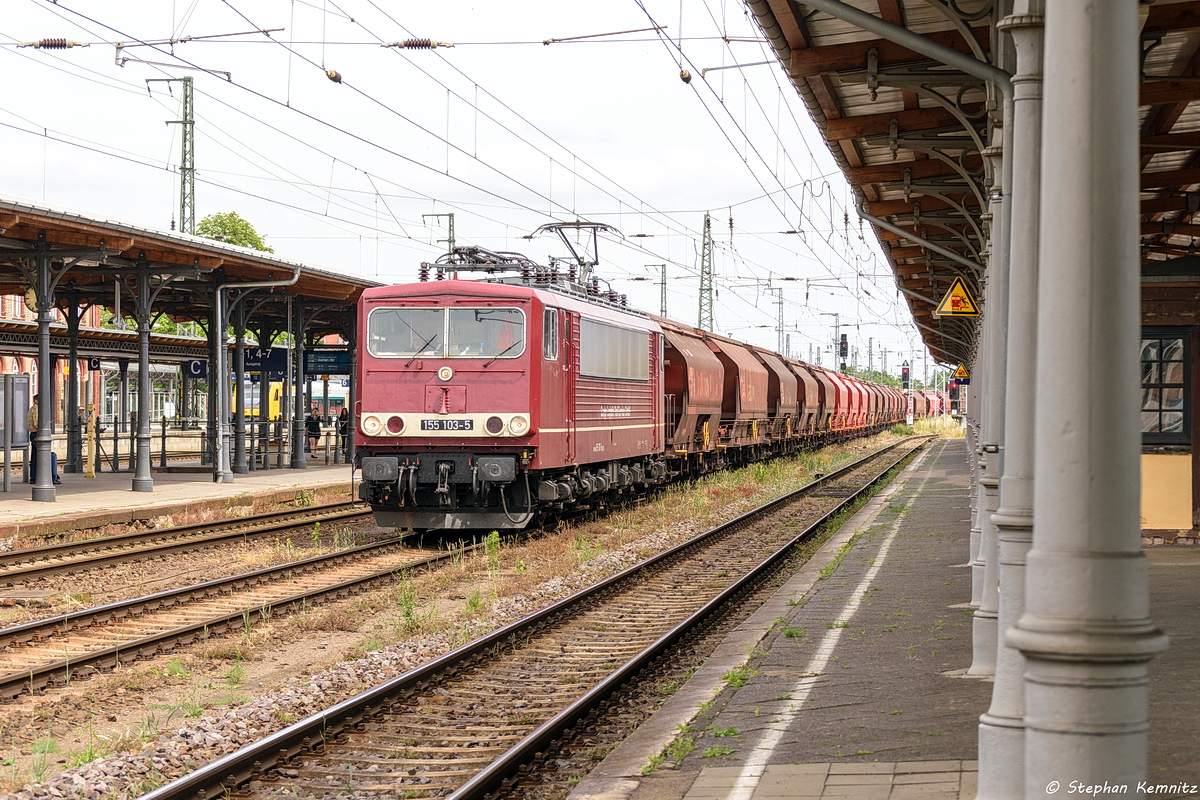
[[912, 136]]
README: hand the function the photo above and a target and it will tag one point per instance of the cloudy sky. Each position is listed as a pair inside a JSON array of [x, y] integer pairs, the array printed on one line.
[[502, 130]]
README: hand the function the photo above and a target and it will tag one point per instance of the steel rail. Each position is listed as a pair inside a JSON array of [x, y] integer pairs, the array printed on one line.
[[38, 677], [226, 774], [172, 455], [493, 776], [158, 542]]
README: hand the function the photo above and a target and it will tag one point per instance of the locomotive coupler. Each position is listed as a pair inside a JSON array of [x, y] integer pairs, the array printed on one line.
[[410, 486], [443, 487]]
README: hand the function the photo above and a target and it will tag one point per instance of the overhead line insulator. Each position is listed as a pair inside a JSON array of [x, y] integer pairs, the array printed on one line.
[[417, 44], [54, 44]]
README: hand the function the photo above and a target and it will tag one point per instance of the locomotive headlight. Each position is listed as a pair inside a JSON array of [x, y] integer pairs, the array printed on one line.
[[494, 426], [372, 425], [395, 425], [518, 425], [445, 373]]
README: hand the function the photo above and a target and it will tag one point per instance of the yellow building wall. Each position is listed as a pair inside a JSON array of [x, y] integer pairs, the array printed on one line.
[[1166, 491]]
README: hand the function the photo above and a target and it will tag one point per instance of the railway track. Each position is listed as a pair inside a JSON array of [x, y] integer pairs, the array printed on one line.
[[124, 461], [52, 651], [32, 564], [465, 724], [18, 463]]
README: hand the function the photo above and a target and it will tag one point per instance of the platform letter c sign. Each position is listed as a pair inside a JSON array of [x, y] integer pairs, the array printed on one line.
[[197, 368]]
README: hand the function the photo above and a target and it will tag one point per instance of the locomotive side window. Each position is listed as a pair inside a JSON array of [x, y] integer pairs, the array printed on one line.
[[550, 334], [607, 351], [1166, 354], [446, 333]]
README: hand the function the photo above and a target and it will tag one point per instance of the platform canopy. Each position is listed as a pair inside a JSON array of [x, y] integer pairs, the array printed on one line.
[[911, 134], [191, 266]]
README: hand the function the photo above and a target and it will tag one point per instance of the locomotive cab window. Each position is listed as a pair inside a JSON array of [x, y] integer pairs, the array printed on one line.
[[550, 334], [486, 332], [446, 332], [1166, 390], [401, 332]]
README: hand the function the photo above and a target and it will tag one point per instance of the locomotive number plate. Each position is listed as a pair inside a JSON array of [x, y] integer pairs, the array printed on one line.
[[447, 424]]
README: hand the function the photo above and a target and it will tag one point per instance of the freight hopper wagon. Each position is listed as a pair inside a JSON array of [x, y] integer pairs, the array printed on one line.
[[505, 401]]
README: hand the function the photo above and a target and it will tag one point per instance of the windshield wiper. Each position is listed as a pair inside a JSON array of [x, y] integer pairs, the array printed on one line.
[[502, 352], [428, 342]]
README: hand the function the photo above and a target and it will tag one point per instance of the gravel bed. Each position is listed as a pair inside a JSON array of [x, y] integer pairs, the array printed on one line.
[[137, 578], [201, 740], [204, 739]]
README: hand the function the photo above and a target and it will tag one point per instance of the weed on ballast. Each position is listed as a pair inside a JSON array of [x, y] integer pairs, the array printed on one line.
[[585, 549], [44, 751], [491, 546], [235, 674], [94, 749], [476, 602], [412, 619]]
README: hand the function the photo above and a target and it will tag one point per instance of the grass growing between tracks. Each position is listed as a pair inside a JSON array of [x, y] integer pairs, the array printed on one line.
[[423, 615], [946, 426], [528, 572]]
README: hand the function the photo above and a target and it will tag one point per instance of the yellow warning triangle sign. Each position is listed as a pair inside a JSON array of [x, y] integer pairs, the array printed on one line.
[[961, 373], [958, 302]]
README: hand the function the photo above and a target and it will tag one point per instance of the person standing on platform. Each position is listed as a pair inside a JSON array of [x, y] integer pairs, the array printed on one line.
[[313, 426], [31, 423], [343, 428]]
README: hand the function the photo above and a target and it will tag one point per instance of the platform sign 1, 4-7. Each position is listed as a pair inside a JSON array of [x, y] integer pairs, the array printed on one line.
[[327, 362], [264, 359]]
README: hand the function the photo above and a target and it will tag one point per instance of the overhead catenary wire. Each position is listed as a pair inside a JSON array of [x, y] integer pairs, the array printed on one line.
[[207, 129], [381, 186], [310, 116], [745, 135]]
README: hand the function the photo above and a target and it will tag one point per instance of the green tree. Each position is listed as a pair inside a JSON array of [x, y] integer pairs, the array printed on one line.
[[230, 228], [875, 376]]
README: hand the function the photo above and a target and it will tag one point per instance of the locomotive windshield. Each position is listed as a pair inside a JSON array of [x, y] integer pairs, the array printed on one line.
[[446, 332]]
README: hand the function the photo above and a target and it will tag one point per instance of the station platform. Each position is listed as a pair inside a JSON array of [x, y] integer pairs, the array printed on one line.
[[855, 683], [107, 502]]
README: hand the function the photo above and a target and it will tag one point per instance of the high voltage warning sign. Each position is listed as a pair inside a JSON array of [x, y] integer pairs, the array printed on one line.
[[961, 373], [958, 302]]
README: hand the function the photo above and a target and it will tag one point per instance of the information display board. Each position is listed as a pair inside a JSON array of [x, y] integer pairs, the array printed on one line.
[[326, 362]]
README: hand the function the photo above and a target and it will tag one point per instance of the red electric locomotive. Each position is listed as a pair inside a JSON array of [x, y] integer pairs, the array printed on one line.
[[497, 403]]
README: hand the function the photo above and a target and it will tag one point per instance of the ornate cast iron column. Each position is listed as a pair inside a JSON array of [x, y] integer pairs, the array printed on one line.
[[1001, 729], [1086, 631]]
